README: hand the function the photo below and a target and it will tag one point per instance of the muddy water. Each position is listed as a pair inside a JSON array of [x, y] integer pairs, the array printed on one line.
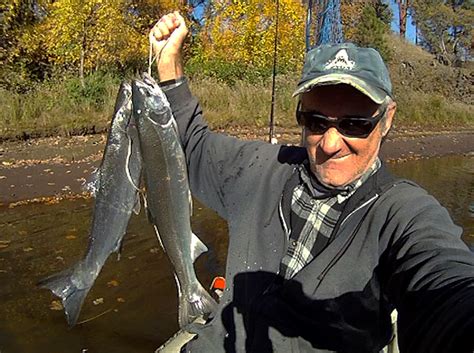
[[136, 295], [135, 307], [451, 181]]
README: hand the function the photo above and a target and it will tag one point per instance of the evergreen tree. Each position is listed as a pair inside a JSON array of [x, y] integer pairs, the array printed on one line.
[[446, 28], [371, 32]]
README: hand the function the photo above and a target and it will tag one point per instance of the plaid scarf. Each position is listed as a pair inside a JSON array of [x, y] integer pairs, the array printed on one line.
[[315, 211]]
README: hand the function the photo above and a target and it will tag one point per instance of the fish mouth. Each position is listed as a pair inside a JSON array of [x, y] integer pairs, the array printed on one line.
[[149, 97], [153, 95]]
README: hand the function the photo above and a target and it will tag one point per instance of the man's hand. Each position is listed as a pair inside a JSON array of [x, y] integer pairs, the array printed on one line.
[[167, 38]]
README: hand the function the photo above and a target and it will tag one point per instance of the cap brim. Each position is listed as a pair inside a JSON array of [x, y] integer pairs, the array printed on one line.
[[376, 94]]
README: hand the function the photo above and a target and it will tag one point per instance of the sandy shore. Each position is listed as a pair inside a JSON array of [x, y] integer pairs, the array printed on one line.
[[50, 169]]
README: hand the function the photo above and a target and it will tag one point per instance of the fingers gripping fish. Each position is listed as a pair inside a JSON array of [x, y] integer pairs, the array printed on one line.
[[168, 195], [120, 170]]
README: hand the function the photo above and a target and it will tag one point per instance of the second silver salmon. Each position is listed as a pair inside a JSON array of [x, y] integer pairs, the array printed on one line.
[[168, 195]]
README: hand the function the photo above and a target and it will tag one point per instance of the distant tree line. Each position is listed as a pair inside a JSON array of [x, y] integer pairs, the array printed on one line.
[[231, 39]]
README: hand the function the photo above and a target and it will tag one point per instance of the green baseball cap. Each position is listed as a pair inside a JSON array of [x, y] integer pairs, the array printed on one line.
[[362, 68]]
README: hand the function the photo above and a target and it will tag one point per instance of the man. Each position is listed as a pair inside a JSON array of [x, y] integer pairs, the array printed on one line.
[[324, 243]]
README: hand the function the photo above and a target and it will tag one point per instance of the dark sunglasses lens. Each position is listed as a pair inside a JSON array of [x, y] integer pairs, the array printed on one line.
[[356, 127], [313, 123], [317, 125], [349, 126]]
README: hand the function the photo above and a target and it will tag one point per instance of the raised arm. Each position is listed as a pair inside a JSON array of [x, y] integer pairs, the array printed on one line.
[[167, 38], [430, 275], [219, 166]]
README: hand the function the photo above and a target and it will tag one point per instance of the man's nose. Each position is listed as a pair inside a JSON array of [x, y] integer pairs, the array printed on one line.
[[331, 141]]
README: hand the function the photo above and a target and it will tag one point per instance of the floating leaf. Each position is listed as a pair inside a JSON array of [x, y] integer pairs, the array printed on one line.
[[28, 249], [98, 301], [3, 177], [120, 300], [70, 237], [113, 283], [56, 305]]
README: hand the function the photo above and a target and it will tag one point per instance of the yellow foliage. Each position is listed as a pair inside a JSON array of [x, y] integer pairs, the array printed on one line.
[[244, 30], [93, 28]]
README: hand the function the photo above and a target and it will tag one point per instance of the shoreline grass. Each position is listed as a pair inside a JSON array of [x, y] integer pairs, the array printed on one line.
[[62, 108]]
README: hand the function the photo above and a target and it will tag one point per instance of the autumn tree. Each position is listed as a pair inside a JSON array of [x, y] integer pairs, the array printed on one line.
[[242, 32], [19, 18], [78, 35], [91, 34]]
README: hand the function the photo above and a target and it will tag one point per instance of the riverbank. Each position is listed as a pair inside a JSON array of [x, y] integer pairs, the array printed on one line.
[[50, 169]]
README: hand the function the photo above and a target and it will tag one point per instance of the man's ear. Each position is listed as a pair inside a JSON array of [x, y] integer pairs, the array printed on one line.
[[391, 109]]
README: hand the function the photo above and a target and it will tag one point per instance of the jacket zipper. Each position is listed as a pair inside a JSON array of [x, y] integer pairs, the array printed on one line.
[[347, 242], [280, 212]]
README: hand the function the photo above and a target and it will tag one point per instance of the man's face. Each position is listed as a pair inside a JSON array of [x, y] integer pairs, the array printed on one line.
[[337, 160]]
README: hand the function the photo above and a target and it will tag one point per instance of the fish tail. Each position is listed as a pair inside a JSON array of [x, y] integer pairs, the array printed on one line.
[[196, 305], [63, 286]]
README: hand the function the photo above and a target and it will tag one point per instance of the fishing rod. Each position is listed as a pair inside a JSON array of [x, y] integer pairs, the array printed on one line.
[[271, 137], [324, 18], [309, 19]]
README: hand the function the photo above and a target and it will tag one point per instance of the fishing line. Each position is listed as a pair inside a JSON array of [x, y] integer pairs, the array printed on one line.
[[152, 58], [127, 162]]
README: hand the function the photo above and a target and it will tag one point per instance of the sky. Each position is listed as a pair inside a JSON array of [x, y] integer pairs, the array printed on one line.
[[411, 30]]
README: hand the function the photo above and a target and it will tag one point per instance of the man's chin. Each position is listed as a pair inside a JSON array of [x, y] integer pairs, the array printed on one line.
[[331, 179]]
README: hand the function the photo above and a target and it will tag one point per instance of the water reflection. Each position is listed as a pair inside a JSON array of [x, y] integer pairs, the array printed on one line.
[[139, 309], [451, 181], [139, 293]]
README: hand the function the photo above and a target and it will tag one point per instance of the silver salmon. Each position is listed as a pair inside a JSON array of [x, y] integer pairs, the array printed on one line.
[[116, 196], [168, 195]]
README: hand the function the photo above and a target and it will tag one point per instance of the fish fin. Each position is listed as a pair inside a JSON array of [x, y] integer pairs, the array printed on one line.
[[137, 207], [197, 305], [197, 247], [62, 285]]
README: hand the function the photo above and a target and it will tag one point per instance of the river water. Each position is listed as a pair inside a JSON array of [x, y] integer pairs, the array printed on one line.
[[133, 304]]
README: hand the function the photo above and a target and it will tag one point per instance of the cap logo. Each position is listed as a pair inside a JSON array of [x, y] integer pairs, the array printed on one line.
[[341, 61]]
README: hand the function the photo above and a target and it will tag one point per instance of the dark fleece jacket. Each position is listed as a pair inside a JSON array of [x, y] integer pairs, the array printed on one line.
[[395, 247]]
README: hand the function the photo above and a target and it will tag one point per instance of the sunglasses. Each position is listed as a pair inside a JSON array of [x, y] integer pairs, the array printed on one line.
[[350, 126]]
